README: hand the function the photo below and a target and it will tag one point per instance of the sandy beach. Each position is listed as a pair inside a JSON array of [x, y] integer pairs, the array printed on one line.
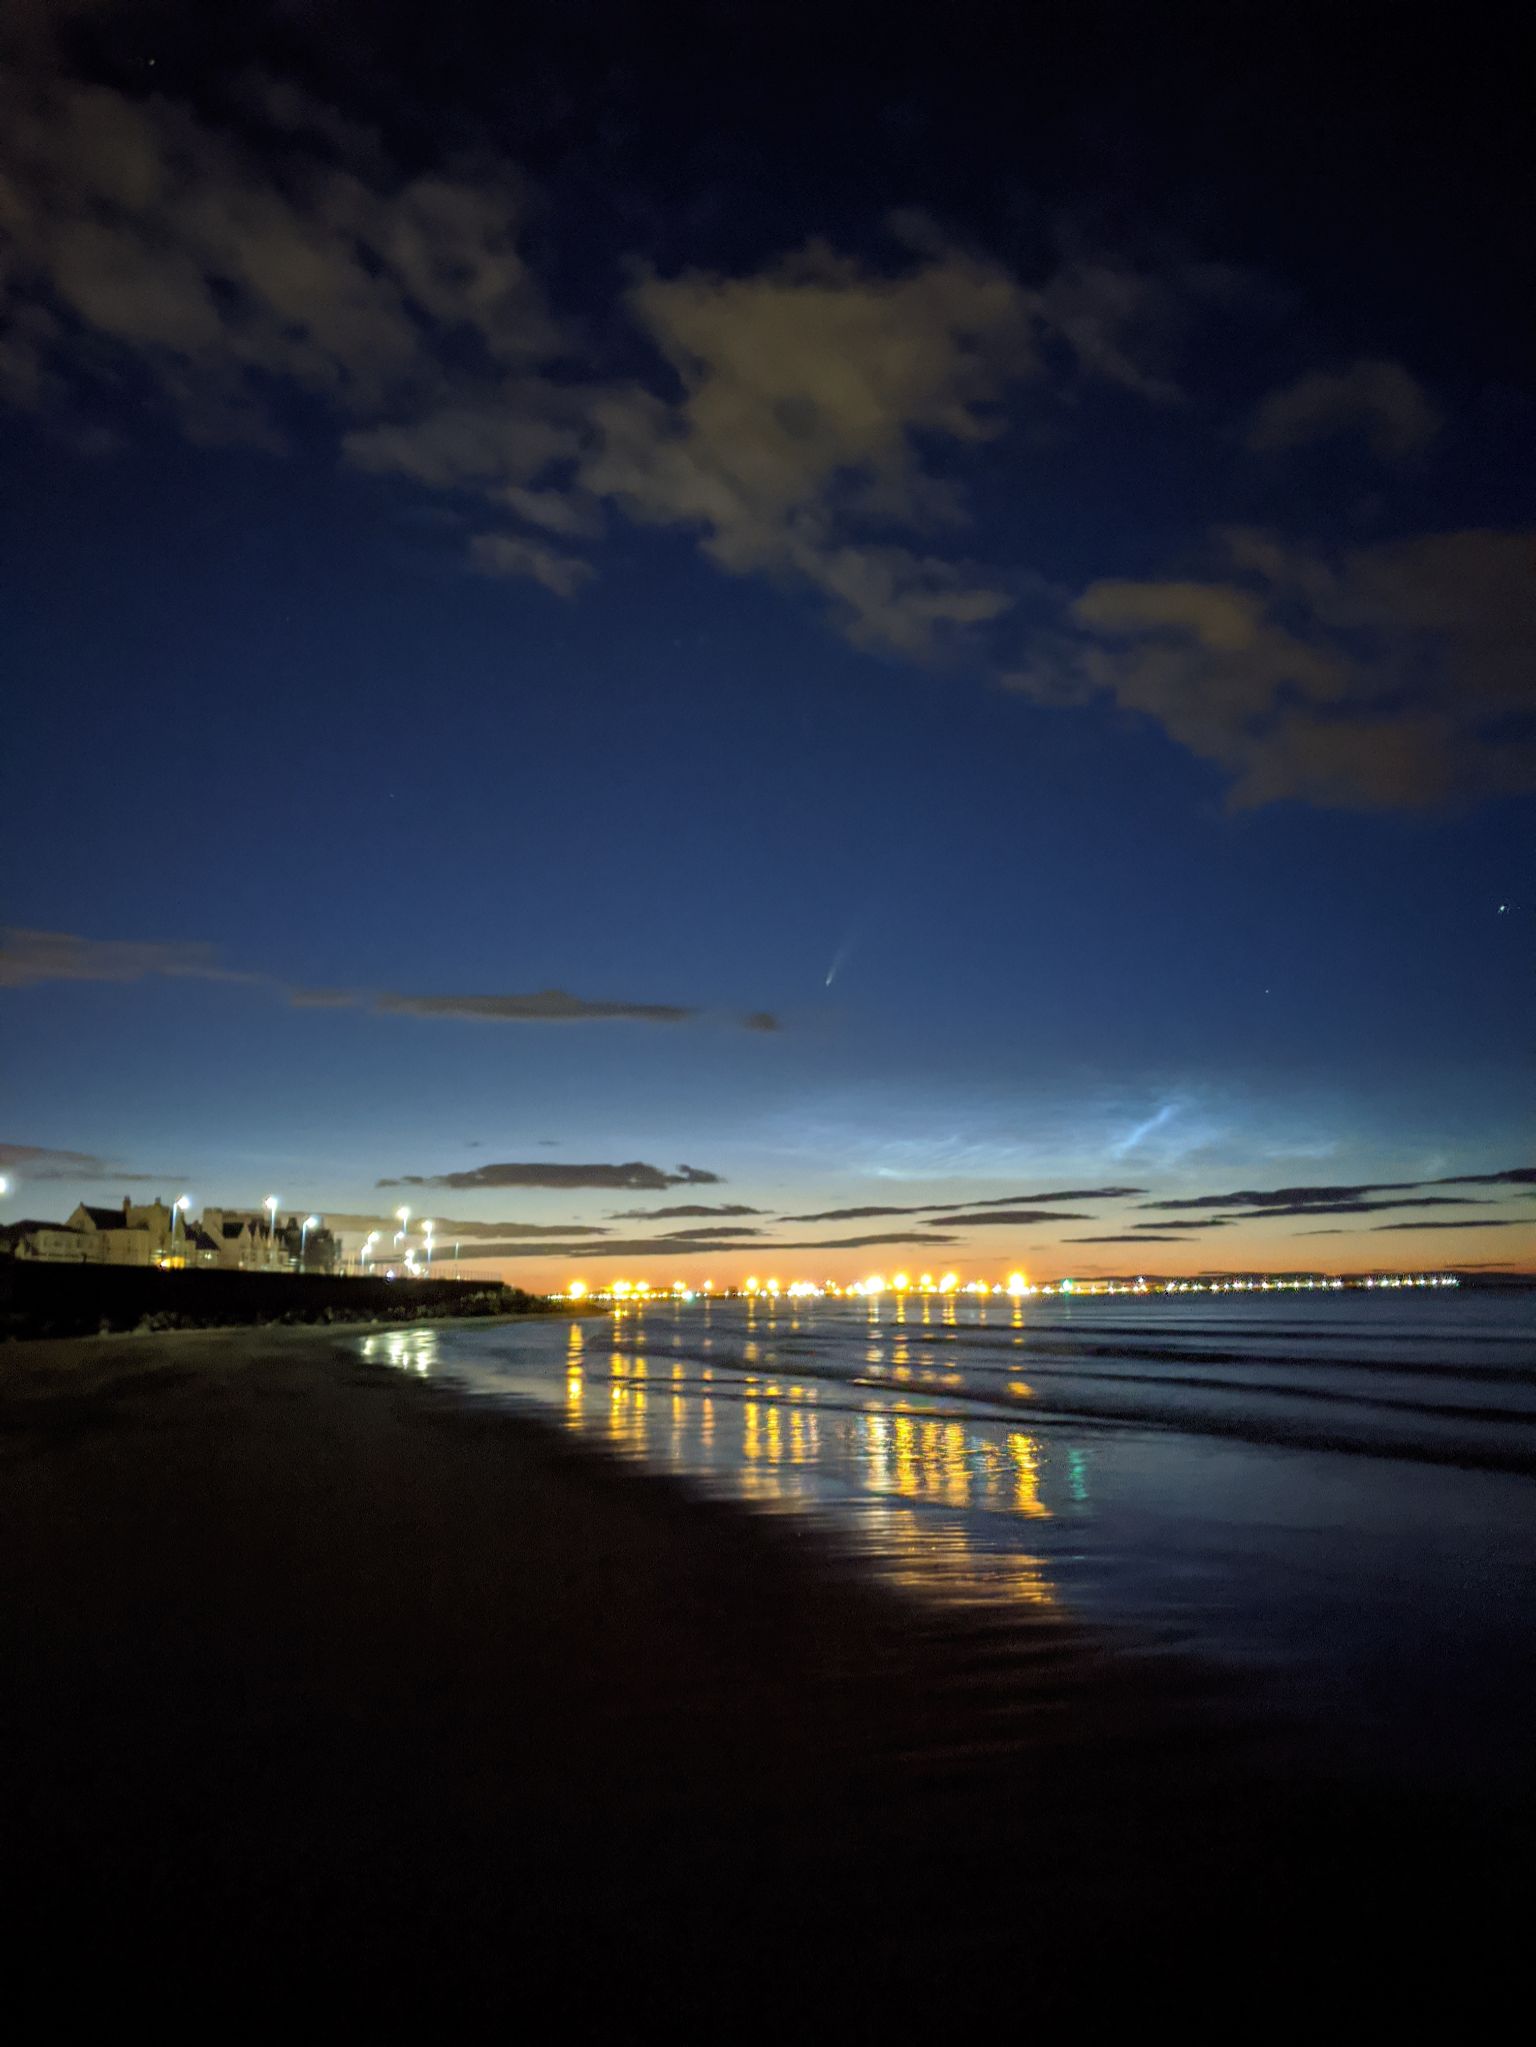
[[326, 1691]]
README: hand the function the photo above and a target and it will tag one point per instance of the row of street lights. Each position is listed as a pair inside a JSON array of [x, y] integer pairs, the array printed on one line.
[[401, 1237]]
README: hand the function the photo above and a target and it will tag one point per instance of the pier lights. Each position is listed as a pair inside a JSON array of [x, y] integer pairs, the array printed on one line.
[[948, 1283], [577, 1290], [310, 1222], [1016, 1284]]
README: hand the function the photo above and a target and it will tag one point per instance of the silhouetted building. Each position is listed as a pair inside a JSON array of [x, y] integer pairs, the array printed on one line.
[[60, 1243]]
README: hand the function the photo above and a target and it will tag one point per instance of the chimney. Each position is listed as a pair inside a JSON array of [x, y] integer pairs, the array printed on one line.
[[127, 1204]]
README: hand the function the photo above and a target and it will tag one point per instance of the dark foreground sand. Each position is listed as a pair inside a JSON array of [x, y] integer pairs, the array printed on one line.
[[325, 1694]]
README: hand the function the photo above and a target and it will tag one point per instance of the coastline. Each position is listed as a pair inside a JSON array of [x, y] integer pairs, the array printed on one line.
[[317, 1661]]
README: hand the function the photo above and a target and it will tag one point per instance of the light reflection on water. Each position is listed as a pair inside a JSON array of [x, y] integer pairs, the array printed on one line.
[[1339, 1494], [1178, 1464], [416, 1350], [904, 1487]]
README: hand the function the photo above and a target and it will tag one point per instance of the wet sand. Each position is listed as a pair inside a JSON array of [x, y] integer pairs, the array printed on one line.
[[325, 1692]]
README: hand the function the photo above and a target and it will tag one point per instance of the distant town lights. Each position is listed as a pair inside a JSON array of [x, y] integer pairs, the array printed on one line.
[[1017, 1286]]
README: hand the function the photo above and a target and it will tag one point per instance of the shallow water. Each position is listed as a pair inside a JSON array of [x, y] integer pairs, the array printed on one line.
[[1335, 1496]]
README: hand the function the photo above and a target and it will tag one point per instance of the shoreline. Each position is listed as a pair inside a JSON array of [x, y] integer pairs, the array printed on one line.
[[313, 1659]]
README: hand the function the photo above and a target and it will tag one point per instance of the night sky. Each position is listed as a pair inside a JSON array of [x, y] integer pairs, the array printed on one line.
[[847, 639]]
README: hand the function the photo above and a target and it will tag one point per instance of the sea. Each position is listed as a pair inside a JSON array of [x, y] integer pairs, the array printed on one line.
[[1330, 1497]]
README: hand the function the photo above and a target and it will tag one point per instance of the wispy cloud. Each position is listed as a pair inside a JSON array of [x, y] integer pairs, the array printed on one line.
[[549, 1005], [1010, 1218], [949, 1210], [40, 1162], [1382, 677], [1380, 400], [1508, 1222], [545, 1173], [33, 958], [448, 1228], [1275, 1198], [1130, 1239], [30, 958], [1357, 1207], [707, 1233], [684, 1212], [1210, 1222]]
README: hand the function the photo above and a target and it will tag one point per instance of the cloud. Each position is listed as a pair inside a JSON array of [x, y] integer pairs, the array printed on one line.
[[546, 1173], [1132, 1239], [1378, 399], [618, 1249], [803, 391], [850, 1215], [934, 1208], [1517, 1222], [692, 1208], [1353, 1207], [794, 419], [322, 998], [1391, 676], [30, 958], [1210, 1222], [41, 1162], [730, 1232], [1012, 1218], [240, 266], [804, 422], [550, 1005], [446, 1228], [1311, 1197], [508, 554], [915, 1238]]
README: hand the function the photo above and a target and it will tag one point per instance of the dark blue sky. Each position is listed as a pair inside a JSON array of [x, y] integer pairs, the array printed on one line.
[[995, 578]]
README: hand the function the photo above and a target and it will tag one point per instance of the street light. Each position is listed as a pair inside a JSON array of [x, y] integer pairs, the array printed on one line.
[[402, 1216], [178, 1207], [368, 1243], [427, 1228], [270, 1205], [310, 1222]]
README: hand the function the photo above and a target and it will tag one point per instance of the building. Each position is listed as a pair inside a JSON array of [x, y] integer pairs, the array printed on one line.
[[60, 1243], [307, 1250], [135, 1234], [232, 1239], [154, 1233]]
